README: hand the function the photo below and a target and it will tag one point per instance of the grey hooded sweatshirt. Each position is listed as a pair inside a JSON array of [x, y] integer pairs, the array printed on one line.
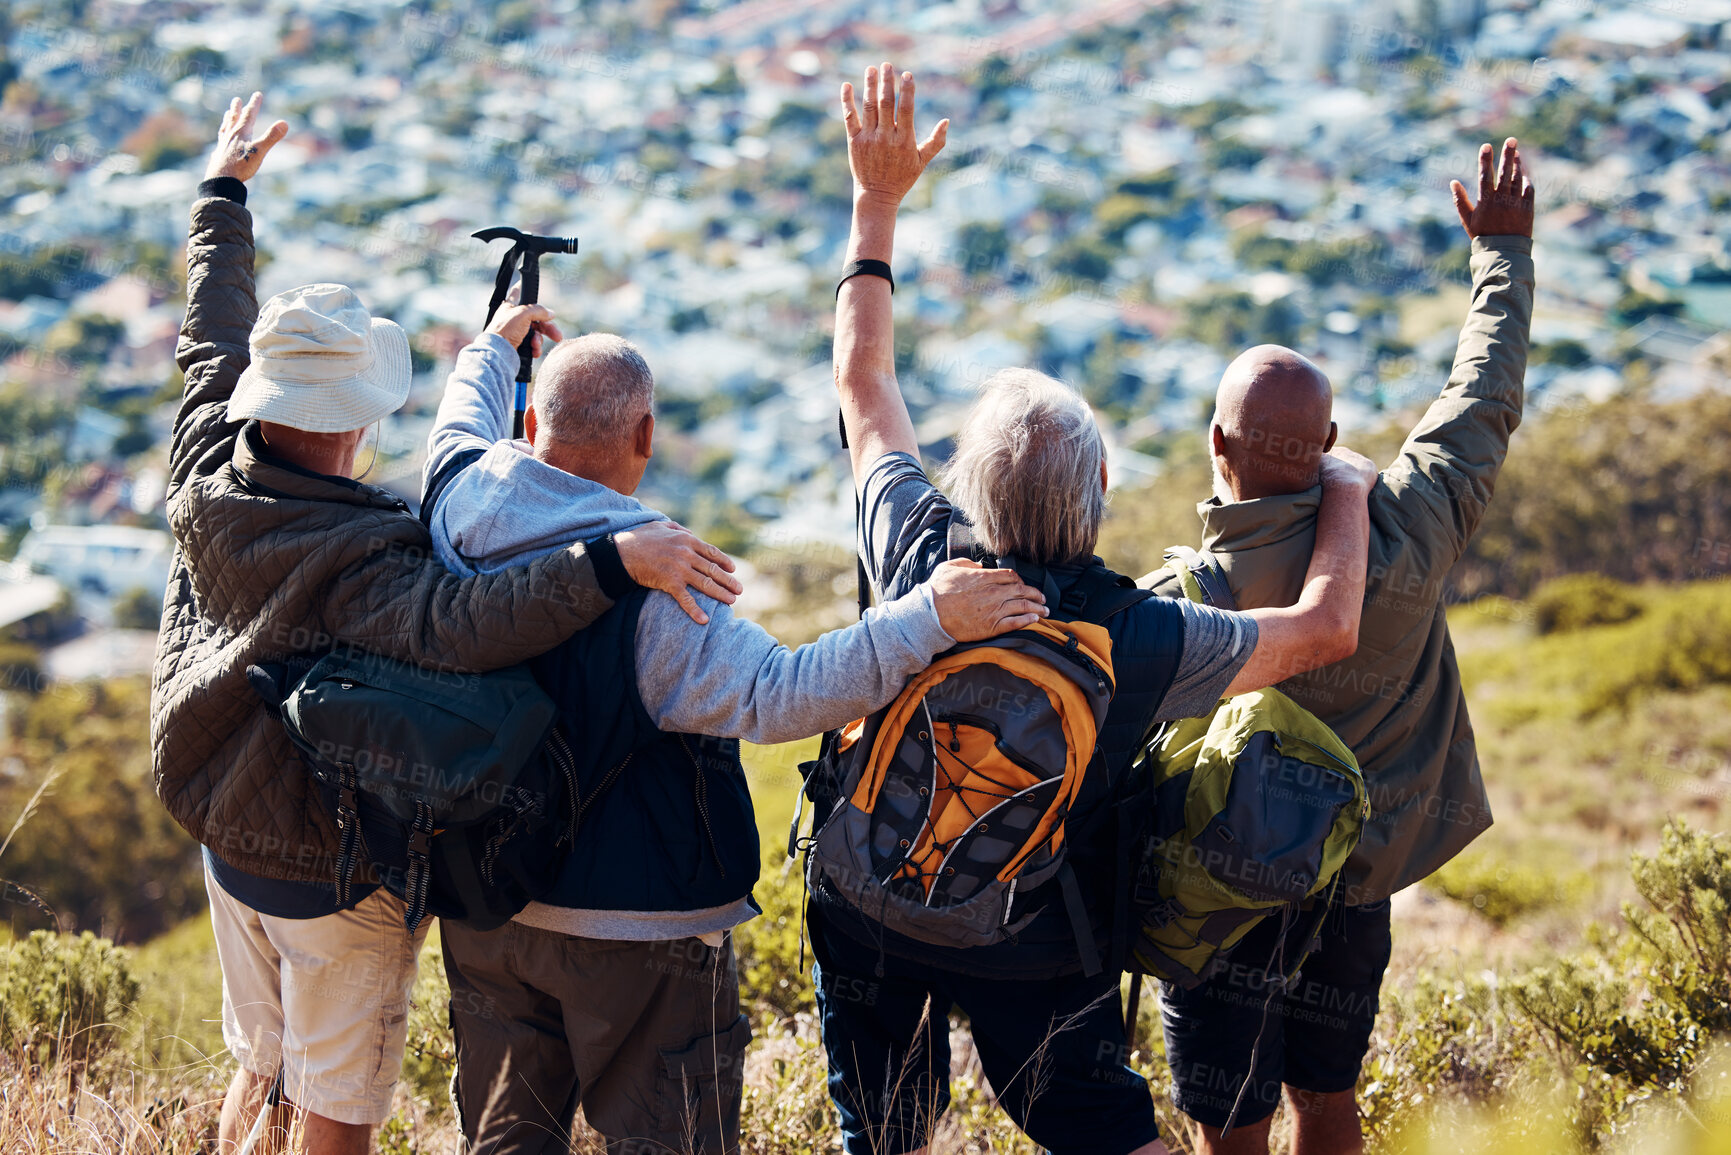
[[728, 679]]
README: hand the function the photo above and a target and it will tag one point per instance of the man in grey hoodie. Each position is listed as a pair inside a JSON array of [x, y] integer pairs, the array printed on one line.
[[618, 991]]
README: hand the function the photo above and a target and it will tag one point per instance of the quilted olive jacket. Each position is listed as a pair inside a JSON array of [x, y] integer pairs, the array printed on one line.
[[271, 560], [1398, 701]]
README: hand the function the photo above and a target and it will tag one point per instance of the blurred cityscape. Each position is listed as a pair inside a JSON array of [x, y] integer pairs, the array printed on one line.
[[1133, 191]]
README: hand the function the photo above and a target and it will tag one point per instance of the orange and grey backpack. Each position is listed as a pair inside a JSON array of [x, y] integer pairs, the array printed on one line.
[[940, 815]]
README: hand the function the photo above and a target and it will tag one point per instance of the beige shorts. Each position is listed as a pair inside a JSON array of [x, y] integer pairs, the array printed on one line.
[[326, 999]]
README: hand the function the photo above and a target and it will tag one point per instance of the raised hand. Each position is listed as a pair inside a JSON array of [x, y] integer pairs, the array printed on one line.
[[1506, 198], [881, 149], [665, 556], [514, 322], [238, 153]]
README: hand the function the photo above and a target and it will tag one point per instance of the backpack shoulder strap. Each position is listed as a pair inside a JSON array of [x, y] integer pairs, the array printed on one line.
[[440, 481], [1210, 575], [1099, 593]]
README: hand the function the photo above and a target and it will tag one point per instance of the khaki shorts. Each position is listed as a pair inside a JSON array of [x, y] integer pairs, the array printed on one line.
[[325, 999]]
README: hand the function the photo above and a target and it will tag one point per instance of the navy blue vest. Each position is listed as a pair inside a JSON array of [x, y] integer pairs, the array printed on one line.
[[1147, 644], [666, 821]]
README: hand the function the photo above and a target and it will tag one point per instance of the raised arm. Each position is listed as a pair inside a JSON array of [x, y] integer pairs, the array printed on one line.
[[1322, 626], [221, 304], [886, 161], [1442, 482], [475, 411]]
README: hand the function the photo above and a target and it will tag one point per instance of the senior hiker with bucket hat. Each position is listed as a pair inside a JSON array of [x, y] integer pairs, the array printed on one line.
[[321, 364], [280, 551]]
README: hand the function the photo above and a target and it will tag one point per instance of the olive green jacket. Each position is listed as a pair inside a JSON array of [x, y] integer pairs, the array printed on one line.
[[1398, 702], [271, 560]]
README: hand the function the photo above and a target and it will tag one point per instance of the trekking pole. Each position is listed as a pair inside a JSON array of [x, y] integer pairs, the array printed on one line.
[[528, 249], [1133, 1008], [862, 582], [261, 1121]]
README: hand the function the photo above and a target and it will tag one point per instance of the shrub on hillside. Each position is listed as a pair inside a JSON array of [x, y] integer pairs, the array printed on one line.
[[1646, 1019], [1681, 642], [1505, 891], [63, 996], [1629, 1020], [1637, 490], [135, 873], [1583, 599], [771, 973]]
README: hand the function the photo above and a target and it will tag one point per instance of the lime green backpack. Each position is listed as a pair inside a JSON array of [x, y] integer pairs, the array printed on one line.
[[1255, 809]]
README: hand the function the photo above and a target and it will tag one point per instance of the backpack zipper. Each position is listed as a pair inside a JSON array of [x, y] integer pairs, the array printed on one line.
[[1073, 652], [990, 727]]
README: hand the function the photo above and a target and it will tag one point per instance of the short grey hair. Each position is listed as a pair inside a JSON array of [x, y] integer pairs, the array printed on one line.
[[1026, 470], [593, 390]]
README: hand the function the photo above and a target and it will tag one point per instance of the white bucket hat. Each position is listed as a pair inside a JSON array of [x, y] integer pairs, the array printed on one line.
[[321, 363]]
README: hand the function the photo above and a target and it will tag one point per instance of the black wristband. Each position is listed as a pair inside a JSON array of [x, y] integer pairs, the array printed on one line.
[[866, 268], [227, 187], [609, 570]]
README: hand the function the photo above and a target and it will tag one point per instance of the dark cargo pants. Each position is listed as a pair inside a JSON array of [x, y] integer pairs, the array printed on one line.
[[646, 1036]]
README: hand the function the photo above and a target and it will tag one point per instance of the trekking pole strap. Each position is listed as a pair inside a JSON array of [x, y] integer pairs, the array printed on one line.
[[1085, 944], [502, 282], [861, 579], [1135, 1005]]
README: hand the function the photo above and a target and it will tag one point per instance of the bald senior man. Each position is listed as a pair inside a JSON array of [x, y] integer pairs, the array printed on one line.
[[1397, 701]]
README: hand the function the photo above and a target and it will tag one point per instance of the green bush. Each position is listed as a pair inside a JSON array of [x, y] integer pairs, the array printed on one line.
[[99, 847], [63, 996], [1681, 642], [1583, 599], [770, 971], [1505, 891], [1648, 1017], [137, 609], [1437, 1039], [1630, 1020], [430, 1054], [1631, 488]]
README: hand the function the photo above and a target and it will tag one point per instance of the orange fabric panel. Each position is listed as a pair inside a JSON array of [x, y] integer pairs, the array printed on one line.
[[971, 780], [850, 734], [959, 796]]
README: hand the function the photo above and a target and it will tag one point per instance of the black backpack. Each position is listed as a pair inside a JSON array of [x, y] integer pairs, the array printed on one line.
[[456, 792]]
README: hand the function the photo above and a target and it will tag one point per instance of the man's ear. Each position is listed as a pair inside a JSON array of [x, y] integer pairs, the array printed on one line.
[[1217, 440], [1333, 433], [529, 423], [644, 442], [1104, 485]]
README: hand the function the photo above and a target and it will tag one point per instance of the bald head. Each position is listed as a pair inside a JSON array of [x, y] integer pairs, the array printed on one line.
[[1273, 421]]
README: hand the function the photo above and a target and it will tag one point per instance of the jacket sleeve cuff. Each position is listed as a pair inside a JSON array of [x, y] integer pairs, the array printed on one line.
[[226, 187], [915, 617], [1509, 243], [609, 569]]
